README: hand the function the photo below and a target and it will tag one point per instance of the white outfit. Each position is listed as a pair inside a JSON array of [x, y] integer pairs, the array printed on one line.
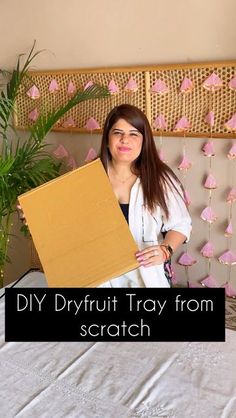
[[146, 228]]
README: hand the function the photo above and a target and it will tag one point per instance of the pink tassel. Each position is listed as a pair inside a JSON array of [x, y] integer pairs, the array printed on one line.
[[71, 89], [186, 260], [229, 291], [209, 281], [33, 115], [182, 125], [131, 86], [160, 123], [69, 123], [88, 84], [33, 93], [210, 118], [92, 124], [207, 250], [185, 164], [208, 149], [232, 152], [92, 155], [162, 156], [71, 163], [53, 86], [112, 87], [159, 87], [186, 86], [212, 83], [228, 258], [229, 230], [60, 152], [208, 215], [232, 83], [187, 198], [231, 196], [231, 123], [210, 182]]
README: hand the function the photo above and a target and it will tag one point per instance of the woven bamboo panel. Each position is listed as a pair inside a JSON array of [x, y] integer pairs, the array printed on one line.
[[198, 103], [98, 109], [172, 105]]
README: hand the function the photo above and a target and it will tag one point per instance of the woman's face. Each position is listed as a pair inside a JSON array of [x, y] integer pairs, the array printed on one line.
[[124, 142]]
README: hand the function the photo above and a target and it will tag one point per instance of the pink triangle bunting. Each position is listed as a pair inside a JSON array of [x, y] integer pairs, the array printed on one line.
[[33, 93], [208, 149], [209, 281], [186, 260], [60, 152], [159, 87], [33, 115], [228, 258], [53, 86], [92, 155]]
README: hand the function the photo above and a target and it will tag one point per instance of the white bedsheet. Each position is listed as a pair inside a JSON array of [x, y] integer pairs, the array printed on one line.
[[116, 379]]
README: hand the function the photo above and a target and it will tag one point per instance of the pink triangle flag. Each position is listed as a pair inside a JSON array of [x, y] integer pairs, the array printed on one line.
[[71, 163], [182, 125], [209, 281], [207, 250], [208, 215], [60, 152], [229, 230], [71, 89], [212, 83], [185, 164], [228, 257], [194, 285], [186, 260], [229, 291], [210, 182], [231, 196], [33, 115], [208, 149], [92, 124], [232, 152], [160, 123], [92, 155], [112, 87], [69, 123], [186, 86], [33, 93], [159, 87], [230, 125], [232, 83], [131, 86], [53, 86], [210, 118]]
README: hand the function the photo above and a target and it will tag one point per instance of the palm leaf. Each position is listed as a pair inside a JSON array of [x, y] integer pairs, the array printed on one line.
[[46, 122]]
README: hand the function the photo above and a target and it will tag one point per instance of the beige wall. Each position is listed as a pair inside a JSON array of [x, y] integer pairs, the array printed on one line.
[[100, 33]]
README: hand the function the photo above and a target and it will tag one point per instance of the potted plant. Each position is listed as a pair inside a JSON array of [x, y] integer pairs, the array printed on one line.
[[25, 164]]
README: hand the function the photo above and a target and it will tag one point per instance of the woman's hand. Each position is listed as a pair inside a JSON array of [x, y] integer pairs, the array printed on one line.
[[151, 256]]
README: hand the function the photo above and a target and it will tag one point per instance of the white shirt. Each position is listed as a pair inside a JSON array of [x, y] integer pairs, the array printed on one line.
[[146, 228]]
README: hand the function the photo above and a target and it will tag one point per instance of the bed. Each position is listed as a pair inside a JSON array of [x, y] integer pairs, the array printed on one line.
[[116, 379]]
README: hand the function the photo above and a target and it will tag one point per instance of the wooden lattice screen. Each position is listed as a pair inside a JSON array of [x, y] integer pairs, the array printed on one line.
[[172, 105]]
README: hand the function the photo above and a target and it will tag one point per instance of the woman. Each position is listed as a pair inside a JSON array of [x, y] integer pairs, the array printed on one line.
[[149, 193]]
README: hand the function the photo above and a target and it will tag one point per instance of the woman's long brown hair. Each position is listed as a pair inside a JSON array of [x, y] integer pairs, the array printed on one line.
[[154, 174]]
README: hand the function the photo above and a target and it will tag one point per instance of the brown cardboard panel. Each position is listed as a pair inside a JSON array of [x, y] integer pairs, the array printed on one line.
[[79, 231]]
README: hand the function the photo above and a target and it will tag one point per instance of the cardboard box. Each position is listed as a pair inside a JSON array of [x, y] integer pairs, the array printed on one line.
[[78, 229]]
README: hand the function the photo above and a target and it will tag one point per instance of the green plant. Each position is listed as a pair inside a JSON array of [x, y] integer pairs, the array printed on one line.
[[25, 164]]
